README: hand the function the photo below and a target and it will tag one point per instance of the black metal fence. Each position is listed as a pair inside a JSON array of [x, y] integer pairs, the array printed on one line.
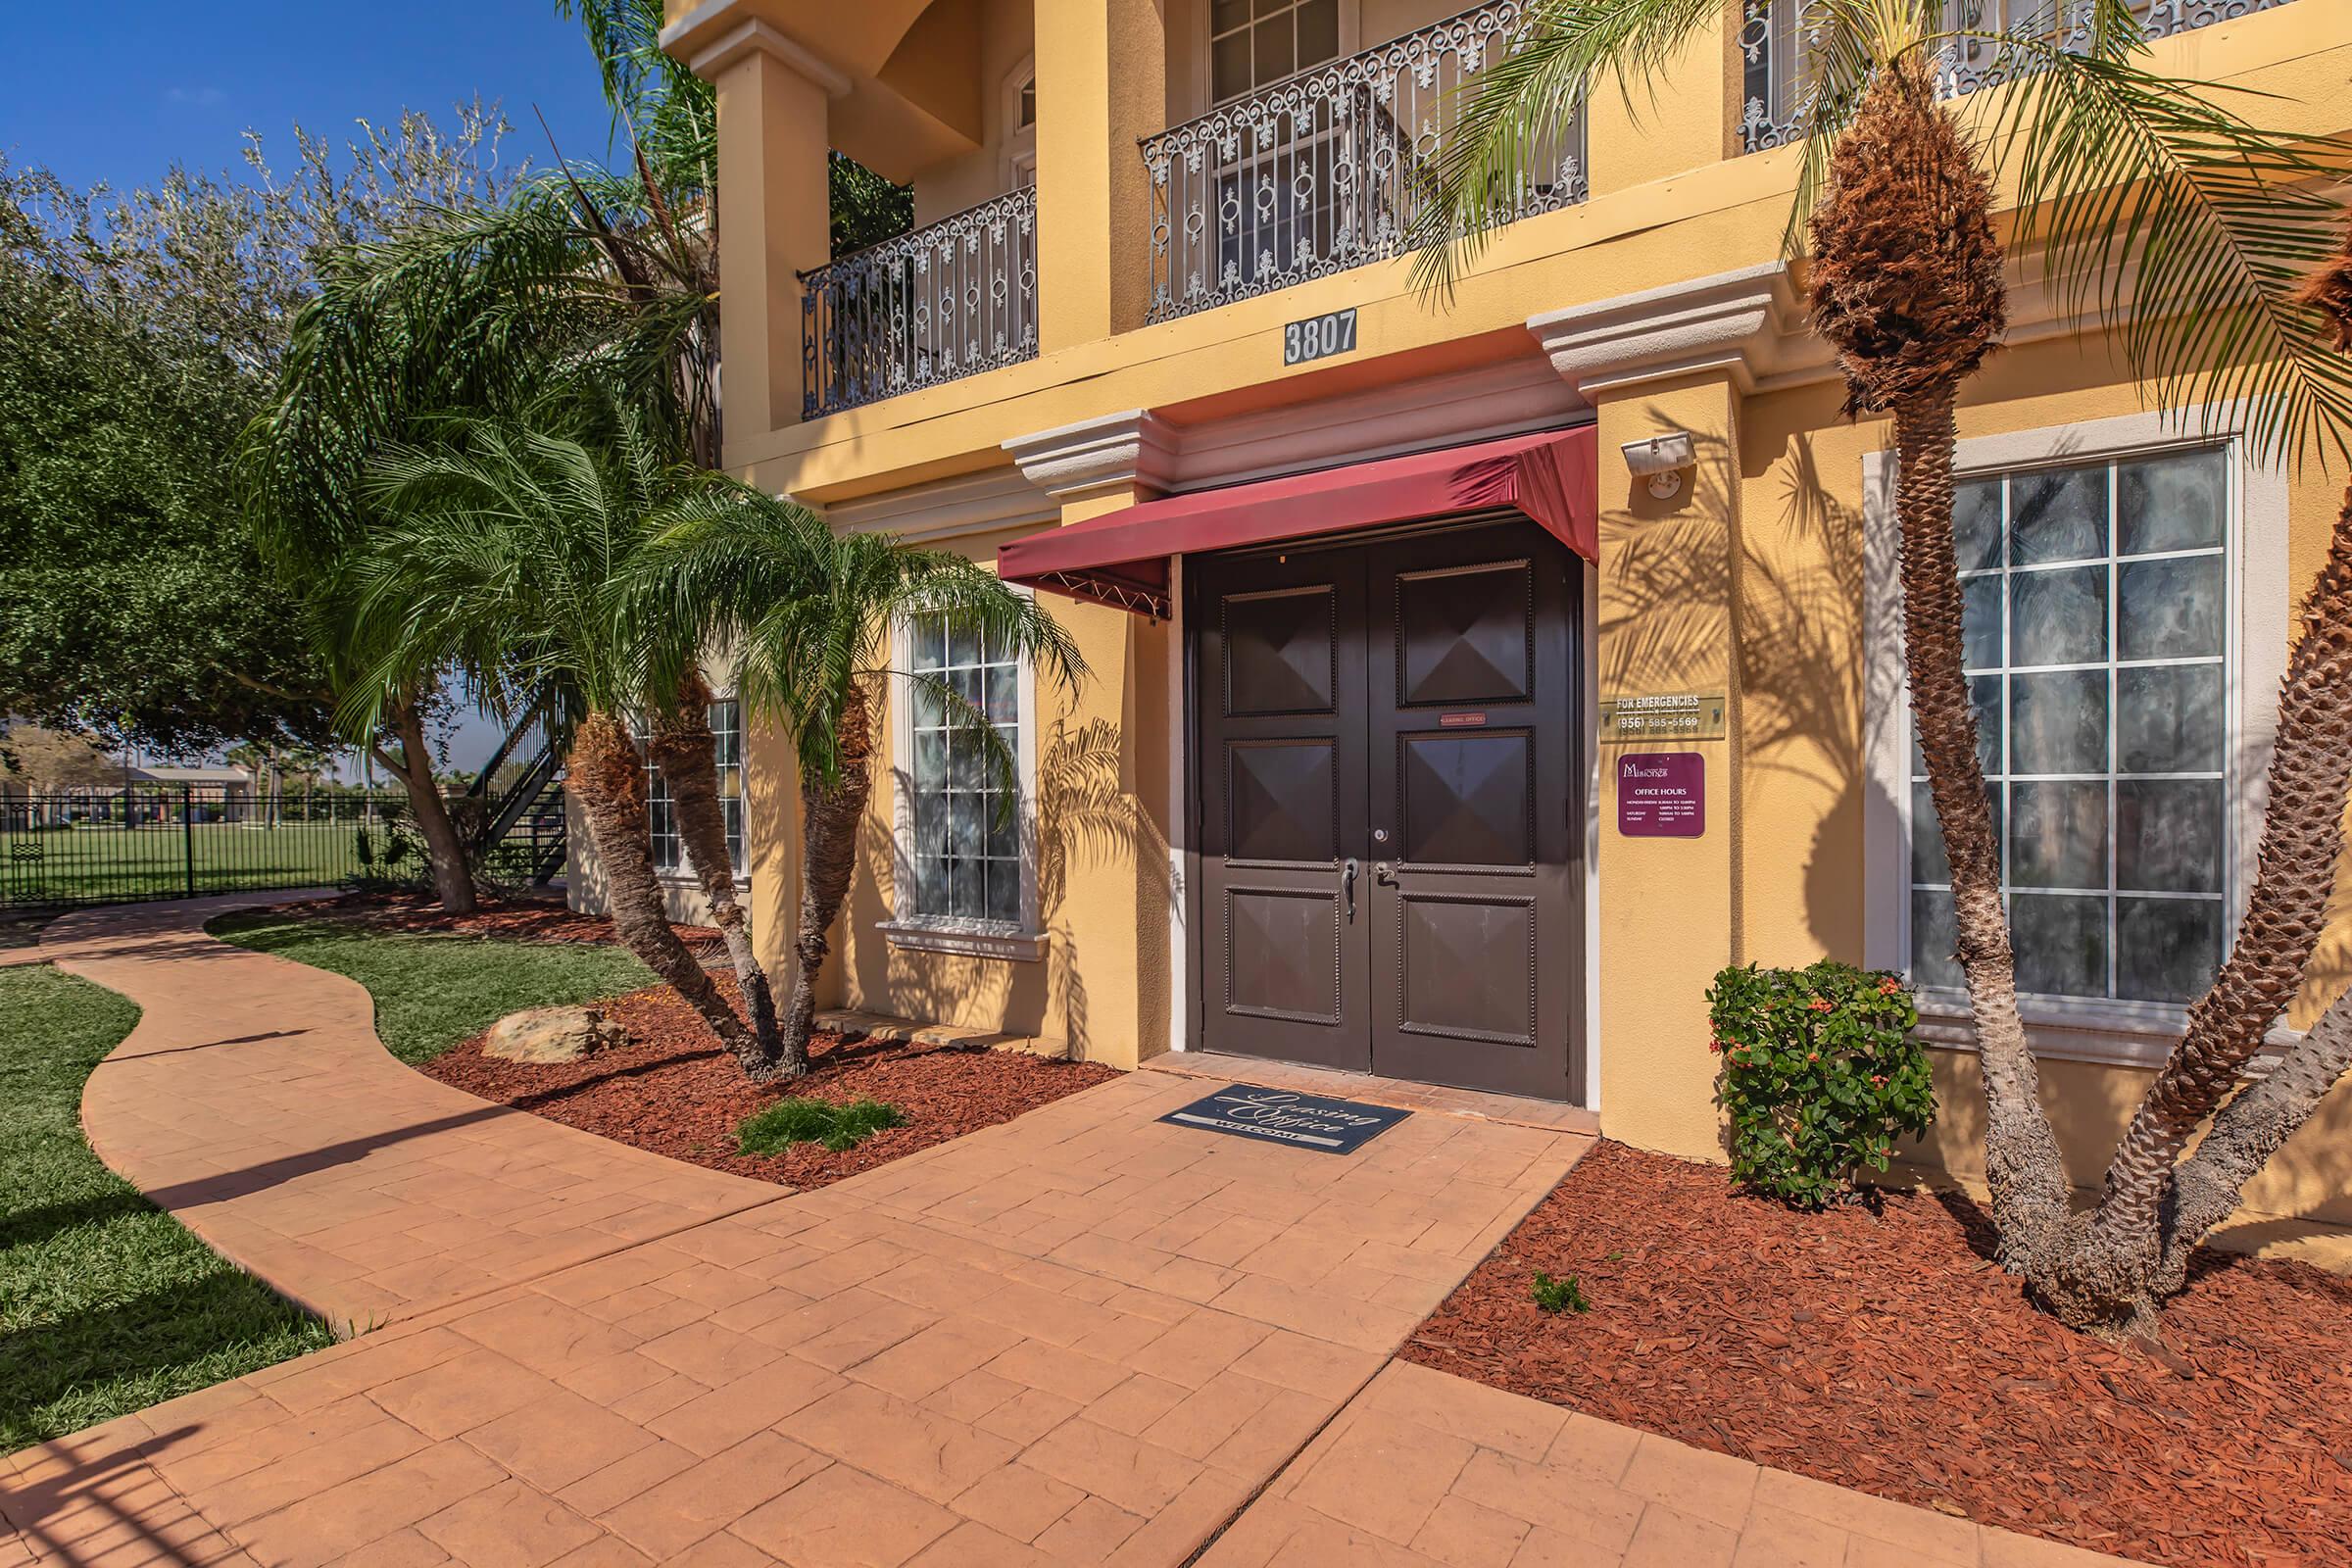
[[186, 840]]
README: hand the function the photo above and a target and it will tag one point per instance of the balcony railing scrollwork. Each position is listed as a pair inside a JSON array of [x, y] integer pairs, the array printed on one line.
[[947, 300], [1328, 169], [1776, 40]]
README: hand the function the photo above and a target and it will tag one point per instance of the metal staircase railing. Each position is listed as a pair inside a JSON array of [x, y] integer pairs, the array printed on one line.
[[528, 810]]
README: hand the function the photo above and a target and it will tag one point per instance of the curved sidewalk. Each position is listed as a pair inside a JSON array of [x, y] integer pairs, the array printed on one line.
[[254, 1103], [1085, 1336]]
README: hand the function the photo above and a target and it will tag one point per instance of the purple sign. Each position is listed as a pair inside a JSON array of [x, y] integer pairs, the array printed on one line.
[[1662, 795]]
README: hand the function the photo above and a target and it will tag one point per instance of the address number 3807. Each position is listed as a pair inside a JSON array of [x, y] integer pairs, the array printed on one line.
[[1319, 337]]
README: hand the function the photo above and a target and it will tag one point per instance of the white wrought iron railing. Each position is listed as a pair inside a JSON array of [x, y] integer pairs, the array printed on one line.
[[1327, 169], [947, 300], [1775, 45]]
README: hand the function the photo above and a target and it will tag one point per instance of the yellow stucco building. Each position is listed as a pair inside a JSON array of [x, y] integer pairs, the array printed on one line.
[[1477, 677]]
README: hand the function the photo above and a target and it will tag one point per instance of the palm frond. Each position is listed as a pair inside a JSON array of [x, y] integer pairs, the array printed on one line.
[[806, 615], [2187, 228], [1521, 102]]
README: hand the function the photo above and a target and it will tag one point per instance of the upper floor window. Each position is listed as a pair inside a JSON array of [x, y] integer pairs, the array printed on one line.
[[1018, 105], [660, 810], [2099, 649], [1256, 43]]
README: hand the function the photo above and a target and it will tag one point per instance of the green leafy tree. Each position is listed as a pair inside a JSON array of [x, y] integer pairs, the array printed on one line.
[[132, 604], [866, 208], [2187, 229]]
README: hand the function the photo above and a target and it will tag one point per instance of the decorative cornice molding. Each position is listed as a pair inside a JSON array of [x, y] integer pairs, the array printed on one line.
[[708, 44], [1134, 446], [987, 502], [1507, 397], [1746, 325]]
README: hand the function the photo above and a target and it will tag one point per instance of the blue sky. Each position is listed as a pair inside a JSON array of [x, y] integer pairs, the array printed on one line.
[[120, 93]]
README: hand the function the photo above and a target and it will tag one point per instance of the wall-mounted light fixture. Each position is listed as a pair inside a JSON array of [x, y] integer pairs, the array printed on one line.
[[1661, 459]]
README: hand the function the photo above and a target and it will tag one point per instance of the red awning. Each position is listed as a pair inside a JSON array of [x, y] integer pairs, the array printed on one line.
[[1121, 559]]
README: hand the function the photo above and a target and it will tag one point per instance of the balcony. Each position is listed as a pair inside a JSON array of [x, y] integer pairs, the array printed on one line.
[[950, 299], [1774, 39], [1327, 169]]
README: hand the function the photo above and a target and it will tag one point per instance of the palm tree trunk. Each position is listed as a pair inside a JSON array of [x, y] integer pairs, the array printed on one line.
[[687, 753], [606, 773], [444, 850], [830, 816], [2248, 1131], [2107, 1272], [2021, 1164]]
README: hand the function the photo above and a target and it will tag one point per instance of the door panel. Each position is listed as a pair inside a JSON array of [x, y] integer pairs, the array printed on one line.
[[1411, 704], [1472, 810], [1280, 660]]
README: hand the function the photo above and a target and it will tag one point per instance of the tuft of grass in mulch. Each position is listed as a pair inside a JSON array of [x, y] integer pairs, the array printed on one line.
[[436, 984], [1885, 1352], [674, 1091], [107, 1303], [801, 1120]]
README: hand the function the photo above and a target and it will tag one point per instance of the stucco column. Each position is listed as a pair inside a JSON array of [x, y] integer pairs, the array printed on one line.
[[1100, 84], [1681, 357], [1114, 900], [774, 217]]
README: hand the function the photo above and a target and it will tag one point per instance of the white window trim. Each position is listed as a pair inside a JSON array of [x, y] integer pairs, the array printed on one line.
[[1352, 42], [1022, 942], [1018, 142], [682, 874], [2138, 1034]]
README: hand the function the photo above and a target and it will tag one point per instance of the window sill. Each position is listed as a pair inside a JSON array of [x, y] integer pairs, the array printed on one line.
[[2108, 1034], [683, 878], [967, 940]]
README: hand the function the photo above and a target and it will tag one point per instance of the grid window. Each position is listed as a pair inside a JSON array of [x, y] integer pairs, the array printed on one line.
[[966, 849], [726, 728], [1256, 43], [2096, 636]]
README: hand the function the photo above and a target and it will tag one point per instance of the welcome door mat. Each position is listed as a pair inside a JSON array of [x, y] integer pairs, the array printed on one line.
[[1282, 1116]]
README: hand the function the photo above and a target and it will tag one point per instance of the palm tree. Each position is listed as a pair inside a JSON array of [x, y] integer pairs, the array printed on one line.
[[810, 614], [2187, 228], [514, 555]]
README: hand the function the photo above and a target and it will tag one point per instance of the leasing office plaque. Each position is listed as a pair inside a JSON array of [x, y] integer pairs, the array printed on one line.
[[1662, 716], [1662, 795]]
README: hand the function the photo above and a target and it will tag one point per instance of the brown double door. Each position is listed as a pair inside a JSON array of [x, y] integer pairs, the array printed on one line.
[[1388, 816]]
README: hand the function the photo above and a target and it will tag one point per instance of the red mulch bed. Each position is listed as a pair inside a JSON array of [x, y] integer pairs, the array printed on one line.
[[674, 1091], [1885, 1352], [515, 920]]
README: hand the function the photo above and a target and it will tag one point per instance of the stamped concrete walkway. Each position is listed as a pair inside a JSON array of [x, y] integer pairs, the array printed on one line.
[[1085, 1336]]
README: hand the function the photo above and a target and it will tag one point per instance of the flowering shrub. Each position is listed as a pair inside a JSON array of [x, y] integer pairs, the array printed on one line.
[[1820, 1075]]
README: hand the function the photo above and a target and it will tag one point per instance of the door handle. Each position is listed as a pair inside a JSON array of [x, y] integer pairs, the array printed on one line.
[[1348, 869], [1384, 873]]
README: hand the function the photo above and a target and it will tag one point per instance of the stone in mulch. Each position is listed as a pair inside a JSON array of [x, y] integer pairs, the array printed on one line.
[[674, 1091], [1884, 1352], [544, 1035]]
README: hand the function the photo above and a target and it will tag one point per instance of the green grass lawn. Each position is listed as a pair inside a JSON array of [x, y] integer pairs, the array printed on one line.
[[432, 991], [106, 1305], [98, 864]]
